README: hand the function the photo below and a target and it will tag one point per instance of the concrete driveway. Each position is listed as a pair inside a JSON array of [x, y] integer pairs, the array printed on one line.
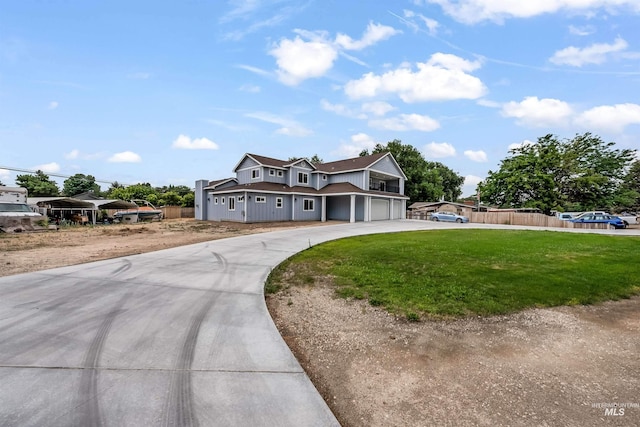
[[179, 337]]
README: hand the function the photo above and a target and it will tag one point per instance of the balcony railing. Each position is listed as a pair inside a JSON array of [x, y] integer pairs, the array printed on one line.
[[381, 186]]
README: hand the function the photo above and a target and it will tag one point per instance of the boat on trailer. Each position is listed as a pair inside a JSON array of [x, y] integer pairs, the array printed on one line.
[[144, 212]]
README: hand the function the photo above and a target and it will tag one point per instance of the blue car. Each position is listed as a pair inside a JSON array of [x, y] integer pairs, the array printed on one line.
[[612, 220], [448, 216]]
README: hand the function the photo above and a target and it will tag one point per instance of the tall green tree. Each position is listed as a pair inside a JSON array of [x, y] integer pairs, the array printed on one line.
[[628, 197], [426, 181], [136, 191], [38, 185], [80, 183], [582, 173]]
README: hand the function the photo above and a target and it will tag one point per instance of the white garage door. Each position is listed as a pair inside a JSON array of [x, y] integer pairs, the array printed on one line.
[[379, 209], [397, 209]]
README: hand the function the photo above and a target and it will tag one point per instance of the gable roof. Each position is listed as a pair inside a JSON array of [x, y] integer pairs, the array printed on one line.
[[355, 163], [214, 184]]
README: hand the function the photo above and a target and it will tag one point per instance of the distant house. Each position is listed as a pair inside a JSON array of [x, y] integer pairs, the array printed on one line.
[[264, 189]]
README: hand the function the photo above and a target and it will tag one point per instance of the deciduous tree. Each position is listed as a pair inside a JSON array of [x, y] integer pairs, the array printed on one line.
[[38, 185], [80, 183]]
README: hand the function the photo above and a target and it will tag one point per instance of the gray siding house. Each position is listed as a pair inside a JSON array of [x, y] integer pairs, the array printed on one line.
[[364, 188]]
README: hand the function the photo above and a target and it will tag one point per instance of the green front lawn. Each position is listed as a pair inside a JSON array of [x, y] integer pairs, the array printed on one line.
[[462, 272]]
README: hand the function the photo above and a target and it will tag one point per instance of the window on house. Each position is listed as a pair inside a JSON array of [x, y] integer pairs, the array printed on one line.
[[261, 199], [303, 178], [272, 172], [280, 173], [324, 177], [222, 200], [240, 199], [307, 204], [255, 173], [232, 204], [278, 202], [215, 200]]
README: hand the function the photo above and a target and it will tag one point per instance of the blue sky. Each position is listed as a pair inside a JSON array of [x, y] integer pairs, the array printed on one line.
[[169, 92]]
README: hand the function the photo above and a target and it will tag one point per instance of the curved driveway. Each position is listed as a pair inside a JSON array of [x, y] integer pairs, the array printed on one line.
[[179, 337]]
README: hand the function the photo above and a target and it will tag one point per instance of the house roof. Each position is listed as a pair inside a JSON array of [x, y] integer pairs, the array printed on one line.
[[214, 184], [356, 163], [264, 161]]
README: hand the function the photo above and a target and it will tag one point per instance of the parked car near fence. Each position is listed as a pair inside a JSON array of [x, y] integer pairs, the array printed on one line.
[[448, 216], [612, 220]]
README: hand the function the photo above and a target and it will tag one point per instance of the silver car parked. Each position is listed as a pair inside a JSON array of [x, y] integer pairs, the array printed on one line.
[[448, 216]]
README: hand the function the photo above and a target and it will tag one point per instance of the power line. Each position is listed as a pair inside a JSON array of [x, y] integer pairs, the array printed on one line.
[[53, 174]]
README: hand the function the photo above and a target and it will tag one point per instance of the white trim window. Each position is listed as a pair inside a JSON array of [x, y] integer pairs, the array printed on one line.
[[222, 200], [232, 204], [303, 178], [255, 173], [261, 199], [324, 177], [272, 172], [240, 199], [279, 203], [215, 200], [280, 174], [308, 204]]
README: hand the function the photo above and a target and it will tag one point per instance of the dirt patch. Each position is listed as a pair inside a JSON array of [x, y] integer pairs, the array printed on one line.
[[538, 367], [25, 252], [535, 368]]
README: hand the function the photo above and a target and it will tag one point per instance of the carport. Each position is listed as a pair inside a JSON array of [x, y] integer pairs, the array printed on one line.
[[64, 207]]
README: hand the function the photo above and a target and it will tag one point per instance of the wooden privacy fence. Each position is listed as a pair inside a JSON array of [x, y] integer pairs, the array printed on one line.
[[515, 218], [175, 212]]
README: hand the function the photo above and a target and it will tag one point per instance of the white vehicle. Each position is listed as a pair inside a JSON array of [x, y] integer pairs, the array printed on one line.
[[629, 219], [565, 216], [13, 194]]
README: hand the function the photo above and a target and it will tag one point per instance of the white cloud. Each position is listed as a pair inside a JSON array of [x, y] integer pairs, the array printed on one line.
[[431, 24], [312, 54], [476, 156], [517, 145], [250, 88], [53, 105], [287, 126], [378, 108], [48, 167], [125, 157], [488, 103], [4, 174], [299, 60], [254, 70], [405, 122], [436, 150], [72, 155], [470, 184], [184, 142], [359, 142], [341, 110], [534, 112], [474, 11], [443, 77], [610, 117], [581, 31], [595, 54], [372, 35]]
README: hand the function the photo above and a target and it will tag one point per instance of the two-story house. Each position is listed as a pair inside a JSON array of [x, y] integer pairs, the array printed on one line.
[[364, 188]]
